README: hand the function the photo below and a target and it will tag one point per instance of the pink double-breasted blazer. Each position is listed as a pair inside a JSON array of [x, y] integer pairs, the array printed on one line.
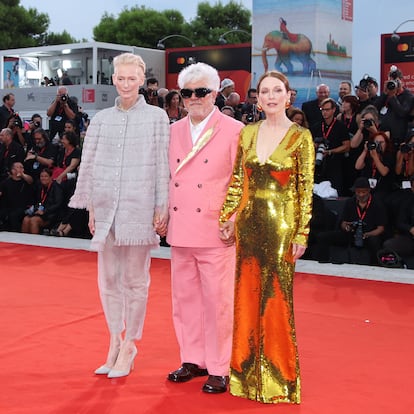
[[197, 191]]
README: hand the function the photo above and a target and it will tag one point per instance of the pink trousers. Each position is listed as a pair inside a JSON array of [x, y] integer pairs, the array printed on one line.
[[202, 297], [123, 280]]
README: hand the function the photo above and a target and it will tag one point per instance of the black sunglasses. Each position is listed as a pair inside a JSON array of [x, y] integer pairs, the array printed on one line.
[[199, 92]]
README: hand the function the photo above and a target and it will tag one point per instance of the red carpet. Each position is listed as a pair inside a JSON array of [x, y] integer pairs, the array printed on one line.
[[355, 340]]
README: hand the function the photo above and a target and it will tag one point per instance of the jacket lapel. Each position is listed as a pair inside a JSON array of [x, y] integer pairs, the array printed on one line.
[[206, 136]]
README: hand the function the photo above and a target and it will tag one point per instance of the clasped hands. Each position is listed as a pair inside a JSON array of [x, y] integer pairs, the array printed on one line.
[[227, 232], [160, 224]]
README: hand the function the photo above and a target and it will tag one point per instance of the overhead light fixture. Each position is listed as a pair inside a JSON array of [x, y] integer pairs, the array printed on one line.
[[222, 39], [395, 37], [161, 45]]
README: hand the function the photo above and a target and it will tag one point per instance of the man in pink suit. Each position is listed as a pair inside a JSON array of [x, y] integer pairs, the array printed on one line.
[[202, 152]]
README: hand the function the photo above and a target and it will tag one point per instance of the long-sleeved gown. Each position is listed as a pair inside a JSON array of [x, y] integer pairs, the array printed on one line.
[[273, 201]]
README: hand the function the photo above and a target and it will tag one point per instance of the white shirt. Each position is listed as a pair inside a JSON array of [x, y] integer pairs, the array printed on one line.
[[196, 129]]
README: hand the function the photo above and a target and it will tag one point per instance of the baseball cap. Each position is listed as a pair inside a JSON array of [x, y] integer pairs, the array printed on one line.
[[225, 83]]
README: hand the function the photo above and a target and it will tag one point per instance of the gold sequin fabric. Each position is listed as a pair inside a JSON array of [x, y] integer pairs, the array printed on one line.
[[273, 201]]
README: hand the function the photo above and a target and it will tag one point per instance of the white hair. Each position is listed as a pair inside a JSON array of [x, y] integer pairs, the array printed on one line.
[[129, 59], [199, 72]]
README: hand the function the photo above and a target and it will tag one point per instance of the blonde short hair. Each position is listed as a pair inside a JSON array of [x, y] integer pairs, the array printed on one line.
[[129, 59]]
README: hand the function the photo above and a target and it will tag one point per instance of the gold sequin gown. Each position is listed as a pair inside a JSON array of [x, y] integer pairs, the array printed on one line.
[[273, 201]]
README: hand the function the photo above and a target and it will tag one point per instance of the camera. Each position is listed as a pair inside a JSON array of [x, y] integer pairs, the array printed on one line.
[[358, 228], [320, 152], [153, 92], [363, 84], [372, 145], [392, 84], [394, 75], [64, 98], [36, 124], [367, 123], [251, 116], [16, 120], [406, 148]]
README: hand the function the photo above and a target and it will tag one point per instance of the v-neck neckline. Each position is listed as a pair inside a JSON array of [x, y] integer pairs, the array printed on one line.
[[256, 136]]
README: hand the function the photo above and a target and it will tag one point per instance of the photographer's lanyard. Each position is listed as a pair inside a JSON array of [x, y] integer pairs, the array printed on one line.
[[405, 160], [362, 215], [326, 134], [43, 194], [374, 169], [5, 154], [66, 155], [347, 121]]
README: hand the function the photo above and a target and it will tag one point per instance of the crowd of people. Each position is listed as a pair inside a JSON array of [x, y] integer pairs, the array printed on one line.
[[231, 187], [367, 134], [363, 142], [38, 168]]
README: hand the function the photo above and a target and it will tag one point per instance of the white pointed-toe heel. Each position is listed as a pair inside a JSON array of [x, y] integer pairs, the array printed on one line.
[[102, 370], [117, 373], [114, 348]]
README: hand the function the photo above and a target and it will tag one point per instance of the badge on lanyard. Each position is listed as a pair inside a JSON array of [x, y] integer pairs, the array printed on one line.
[[384, 110]]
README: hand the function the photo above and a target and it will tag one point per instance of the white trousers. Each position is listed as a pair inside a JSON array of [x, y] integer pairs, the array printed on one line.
[[123, 281]]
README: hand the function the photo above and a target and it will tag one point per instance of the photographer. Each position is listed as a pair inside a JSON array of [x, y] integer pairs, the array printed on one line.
[[394, 106], [16, 125], [332, 142], [45, 211], [366, 92], [376, 162], [41, 155], [34, 124], [6, 109], [403, 242], [233, 101], [250, 113], [61, 109], [151, 93], [368, 126], [10, 152], [348, 115], [16, 195], [404, 172], [363, 223], [404, 165]]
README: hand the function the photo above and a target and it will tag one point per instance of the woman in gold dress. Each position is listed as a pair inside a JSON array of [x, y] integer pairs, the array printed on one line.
[[271, 191]]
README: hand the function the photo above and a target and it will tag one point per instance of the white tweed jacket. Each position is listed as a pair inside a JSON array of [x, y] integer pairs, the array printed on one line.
[[124, 173]]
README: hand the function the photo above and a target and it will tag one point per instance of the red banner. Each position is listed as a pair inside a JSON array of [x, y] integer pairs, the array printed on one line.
[[88, 95], [348, 10]]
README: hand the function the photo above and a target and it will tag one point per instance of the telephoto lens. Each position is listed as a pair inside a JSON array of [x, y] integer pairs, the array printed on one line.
[[319, 154]]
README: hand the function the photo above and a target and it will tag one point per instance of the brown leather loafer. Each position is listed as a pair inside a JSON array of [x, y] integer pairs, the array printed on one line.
[[187, 372], [215, 384]]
